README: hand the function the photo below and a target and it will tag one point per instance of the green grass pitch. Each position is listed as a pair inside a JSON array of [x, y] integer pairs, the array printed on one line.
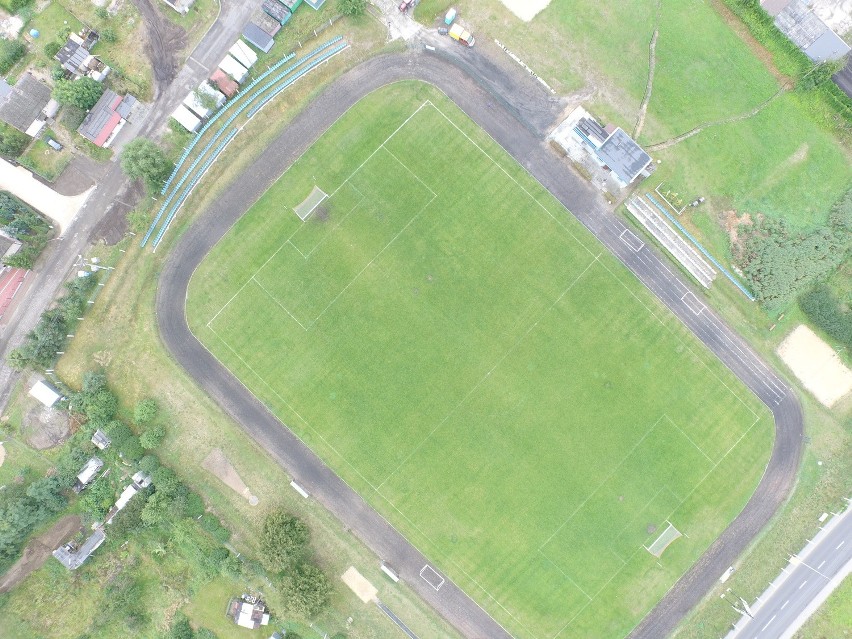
[[448, 338]]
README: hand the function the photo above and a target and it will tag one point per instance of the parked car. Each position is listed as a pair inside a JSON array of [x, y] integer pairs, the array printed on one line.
[[405, 5]]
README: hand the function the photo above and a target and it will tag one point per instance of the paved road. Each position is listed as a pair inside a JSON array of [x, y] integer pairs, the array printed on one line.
[[803, 586], [114, 195], [516, 117]]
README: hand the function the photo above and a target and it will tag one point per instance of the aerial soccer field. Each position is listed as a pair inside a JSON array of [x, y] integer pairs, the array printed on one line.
[[444, 334]]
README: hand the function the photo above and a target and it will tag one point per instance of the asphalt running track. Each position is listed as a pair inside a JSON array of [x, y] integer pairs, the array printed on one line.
[[481, 98]]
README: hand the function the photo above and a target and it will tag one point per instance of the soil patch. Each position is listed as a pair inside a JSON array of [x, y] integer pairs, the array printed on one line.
[[45, 427], [38, 551], [816, 365], [217, 464], [732, 224], [165, 40]]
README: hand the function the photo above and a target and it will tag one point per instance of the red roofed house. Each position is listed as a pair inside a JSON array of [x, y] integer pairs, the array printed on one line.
[[106, 118], [224, 83]]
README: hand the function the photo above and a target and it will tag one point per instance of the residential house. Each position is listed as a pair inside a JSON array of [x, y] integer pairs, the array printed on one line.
[[21, 104], [106, 118]]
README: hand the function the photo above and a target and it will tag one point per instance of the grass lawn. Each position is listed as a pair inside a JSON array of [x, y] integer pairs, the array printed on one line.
[[834, 618], [779, 163], [434, 331], [47, 162]]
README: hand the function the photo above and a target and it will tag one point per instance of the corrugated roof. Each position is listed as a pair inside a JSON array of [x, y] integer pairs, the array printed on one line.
[[266, 23], [258, 37], [276, 10], [22, 105], [105, 116], [226, 85], [623, 156]]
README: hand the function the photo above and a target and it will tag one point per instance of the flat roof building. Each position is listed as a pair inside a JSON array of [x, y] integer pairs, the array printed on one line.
[[623, 156], [45, 393], [106, 118]]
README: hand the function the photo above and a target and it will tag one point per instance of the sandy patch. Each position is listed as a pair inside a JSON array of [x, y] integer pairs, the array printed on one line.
[[38, 550], [217, 464], [359, 585], [60, 209], [526, 10], [816, 365]]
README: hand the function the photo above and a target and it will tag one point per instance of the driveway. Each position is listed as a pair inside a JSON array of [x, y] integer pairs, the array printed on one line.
[[61, 209]]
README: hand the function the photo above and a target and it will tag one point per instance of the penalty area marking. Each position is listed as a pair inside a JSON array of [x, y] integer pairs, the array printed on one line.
[[431, 577], [629, 237], [693, 302]]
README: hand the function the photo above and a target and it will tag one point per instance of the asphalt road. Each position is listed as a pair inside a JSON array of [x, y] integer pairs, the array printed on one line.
[[114, 195], [804, 584], [517, 116]]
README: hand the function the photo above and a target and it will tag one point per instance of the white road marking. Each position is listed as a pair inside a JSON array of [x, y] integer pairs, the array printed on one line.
[[821, 564], [839, 545], [767, 623], [784, 605], [803, 584]]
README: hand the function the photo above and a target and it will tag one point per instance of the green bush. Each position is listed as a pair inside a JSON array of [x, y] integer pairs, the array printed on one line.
[[10, 52], [827, 313], [52, 48], [12, 141]]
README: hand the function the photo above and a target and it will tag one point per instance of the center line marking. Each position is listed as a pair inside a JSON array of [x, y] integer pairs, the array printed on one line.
[[784, 605], [803, 584]]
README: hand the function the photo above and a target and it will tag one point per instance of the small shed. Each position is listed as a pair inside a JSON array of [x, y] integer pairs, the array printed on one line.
[[193, 102], [315, 4], [276, 10], [87, 475], [233, 69], [266, 23], [186, 118], [45, 393], [101, 440], [225, 84], [292, 5], [243, 54], [257, 37], [205, 89]]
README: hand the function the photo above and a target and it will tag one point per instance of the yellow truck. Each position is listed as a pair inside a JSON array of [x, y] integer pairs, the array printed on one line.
[[462, 35]]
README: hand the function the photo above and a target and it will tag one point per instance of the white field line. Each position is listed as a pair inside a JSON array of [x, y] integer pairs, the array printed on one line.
[[689, 439], [397, 530], [283, 244], [273, 298]]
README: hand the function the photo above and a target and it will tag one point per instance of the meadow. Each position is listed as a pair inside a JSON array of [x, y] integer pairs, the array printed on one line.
[[448, 338]]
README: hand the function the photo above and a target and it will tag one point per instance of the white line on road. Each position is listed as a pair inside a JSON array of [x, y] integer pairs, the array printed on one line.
[[803, 584], [839, 545], [768, 622], [821, 564], [784, 605]]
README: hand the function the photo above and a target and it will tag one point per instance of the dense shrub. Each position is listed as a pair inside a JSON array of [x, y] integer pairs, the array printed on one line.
[[12, 141], [827, 313], [10, 52]]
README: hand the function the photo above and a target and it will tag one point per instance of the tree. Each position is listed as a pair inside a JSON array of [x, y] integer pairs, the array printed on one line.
[[284, 540], [24, 259], [206, 633], [17, 359], [152, 437], [98, 498], [145, 411], [352, 7], [306, 590], [149, 464], [108, 34], [143, 160], [82, 93]]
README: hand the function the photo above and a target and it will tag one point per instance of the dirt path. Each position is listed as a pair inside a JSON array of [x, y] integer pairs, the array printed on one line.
[[652, 62], [734, 118], [165, 41], [38, 551]]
